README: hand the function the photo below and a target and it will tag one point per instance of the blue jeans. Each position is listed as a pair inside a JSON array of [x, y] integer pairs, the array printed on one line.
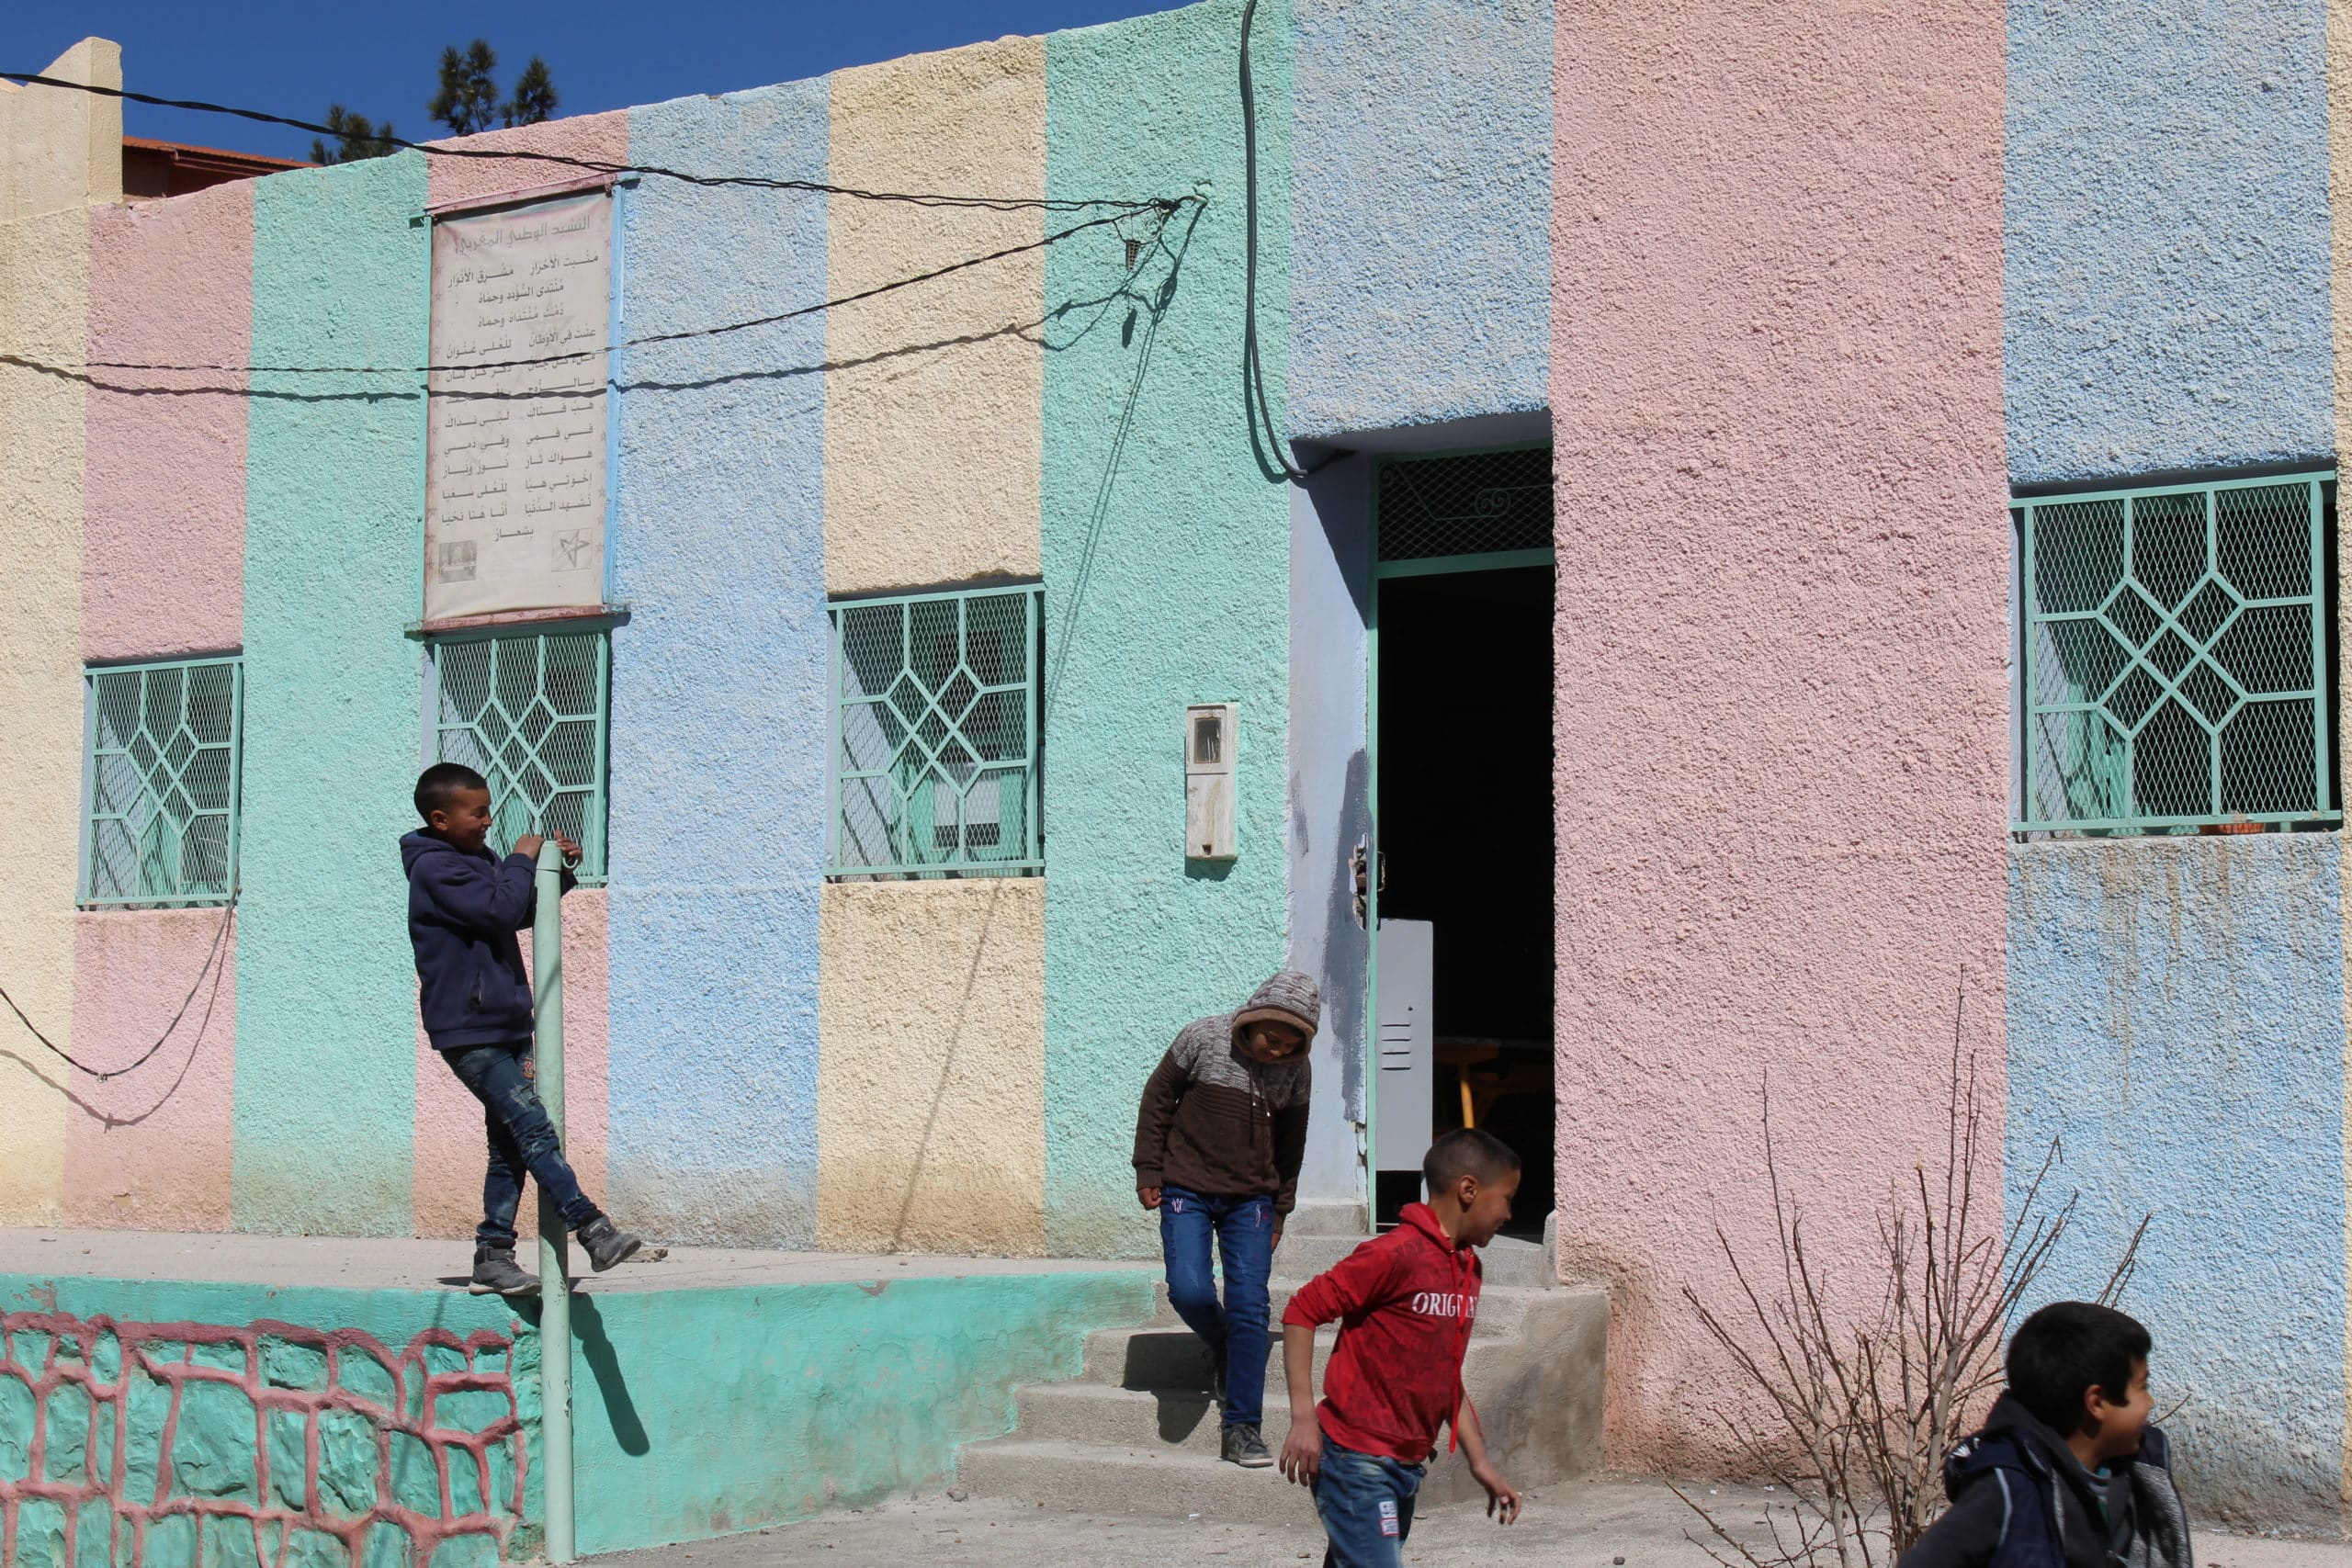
[[1367, 1501], [521, 1139], [1244, 1231]]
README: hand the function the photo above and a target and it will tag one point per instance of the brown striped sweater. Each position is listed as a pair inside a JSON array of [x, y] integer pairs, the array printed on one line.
[[1220, 1123]]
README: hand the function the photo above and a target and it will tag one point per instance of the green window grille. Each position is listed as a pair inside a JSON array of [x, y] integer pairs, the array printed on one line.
[[2175, 657], [1435, 509], [528, 713], [933, 767], [161, 785]]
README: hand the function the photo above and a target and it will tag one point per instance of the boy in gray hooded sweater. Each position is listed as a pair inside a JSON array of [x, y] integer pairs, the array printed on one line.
[[1218, 1141]]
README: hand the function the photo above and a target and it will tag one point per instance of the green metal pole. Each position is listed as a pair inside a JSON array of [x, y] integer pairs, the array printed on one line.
[[555, 1282]]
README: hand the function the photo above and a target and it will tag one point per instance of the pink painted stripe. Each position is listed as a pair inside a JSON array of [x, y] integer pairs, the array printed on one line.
[[149, 1150], [450, 1136], [456, 181], [1781, 715], [163, 520]]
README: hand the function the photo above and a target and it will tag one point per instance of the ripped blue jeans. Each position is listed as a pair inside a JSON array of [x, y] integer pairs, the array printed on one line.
[[1243, 1229], [521, 1139]]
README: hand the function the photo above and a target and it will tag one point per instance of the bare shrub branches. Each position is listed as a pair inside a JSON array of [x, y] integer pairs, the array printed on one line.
[[1861, 1400]]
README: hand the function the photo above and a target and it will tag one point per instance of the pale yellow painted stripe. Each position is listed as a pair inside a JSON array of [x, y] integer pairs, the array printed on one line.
[[44, 296], [932, 441], [931, 1068]]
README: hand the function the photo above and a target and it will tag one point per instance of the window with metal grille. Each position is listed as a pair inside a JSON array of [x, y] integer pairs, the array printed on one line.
[[2175, 657], [160, 786], [933, 768], [527, 712], [1465, 503]]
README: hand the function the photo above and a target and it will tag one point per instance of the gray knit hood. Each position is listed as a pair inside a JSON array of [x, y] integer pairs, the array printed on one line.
[[1289, 998]]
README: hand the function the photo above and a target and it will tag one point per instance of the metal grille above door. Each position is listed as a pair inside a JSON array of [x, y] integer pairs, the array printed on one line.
[[1467, 503]]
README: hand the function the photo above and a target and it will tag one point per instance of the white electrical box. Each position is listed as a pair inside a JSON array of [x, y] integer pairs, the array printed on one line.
[[1408, 1045], [1212, 736]]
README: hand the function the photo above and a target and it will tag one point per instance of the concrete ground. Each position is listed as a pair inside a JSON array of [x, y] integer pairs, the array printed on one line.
[[1601, 1523], [402, 1263]]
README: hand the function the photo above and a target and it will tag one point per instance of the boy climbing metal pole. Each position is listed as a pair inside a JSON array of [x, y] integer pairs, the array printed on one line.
[[464, 905]]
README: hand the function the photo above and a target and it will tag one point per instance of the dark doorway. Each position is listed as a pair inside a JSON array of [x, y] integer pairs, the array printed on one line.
[[1465, 763]]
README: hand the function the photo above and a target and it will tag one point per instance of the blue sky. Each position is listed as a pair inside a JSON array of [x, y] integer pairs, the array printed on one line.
[[380, 60]]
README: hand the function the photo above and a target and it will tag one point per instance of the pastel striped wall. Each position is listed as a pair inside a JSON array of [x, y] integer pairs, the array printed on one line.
[[717, 740], [1167, 562], [930, 1100], [326, 1067], [446, 1152], [44, 299], [163, 575], [1780, 732]]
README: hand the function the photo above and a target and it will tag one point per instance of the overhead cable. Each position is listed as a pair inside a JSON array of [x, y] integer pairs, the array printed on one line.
[[1165, 207], [228, 912], [598, 165], [1254, 372]]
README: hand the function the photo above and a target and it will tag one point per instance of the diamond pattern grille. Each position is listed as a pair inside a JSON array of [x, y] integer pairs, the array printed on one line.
[[2175, 648], [1466, 504], [162, 781], [528, 713], [934, 757]]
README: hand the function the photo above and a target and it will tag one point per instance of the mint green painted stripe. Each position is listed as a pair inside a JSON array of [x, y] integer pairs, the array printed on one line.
[[334, 506], [1167, 565]]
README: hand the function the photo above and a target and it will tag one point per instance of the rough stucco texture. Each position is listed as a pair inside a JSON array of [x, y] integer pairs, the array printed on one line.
[[1167, 573], [931, 417], [2175, 1014], [44, 283], [2167, 245], [726, 1409], [450, 1140], [164, 533], [1775, 363], [1421, 254], [152, 1147], [326, 992], [931, 1101], [719, 730]]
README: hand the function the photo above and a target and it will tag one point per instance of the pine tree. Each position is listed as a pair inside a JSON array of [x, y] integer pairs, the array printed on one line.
[[468, 101], [355, 138], [535, 97]]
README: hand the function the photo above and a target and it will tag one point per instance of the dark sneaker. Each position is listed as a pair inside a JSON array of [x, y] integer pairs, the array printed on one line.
[[496, 1274], [1245, 1448], [1216, 1375], [607, 1244]]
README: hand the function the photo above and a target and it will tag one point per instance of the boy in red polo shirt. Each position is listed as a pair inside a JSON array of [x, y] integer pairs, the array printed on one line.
[[1404, 1303]]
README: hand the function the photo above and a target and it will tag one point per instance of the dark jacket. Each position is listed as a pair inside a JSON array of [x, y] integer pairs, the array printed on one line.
[[1216, 1122], [463, 913], [2021, 1499]]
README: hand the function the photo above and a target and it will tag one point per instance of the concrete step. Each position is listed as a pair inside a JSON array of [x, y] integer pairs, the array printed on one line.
[[1500, 1307], [1181, 1416], [1098, 1478]]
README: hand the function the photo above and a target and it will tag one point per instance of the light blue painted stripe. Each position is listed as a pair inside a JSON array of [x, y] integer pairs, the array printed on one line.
[[1421, 248], [718, 681], [325, 1067], [2176, 1017], [2167, 238]]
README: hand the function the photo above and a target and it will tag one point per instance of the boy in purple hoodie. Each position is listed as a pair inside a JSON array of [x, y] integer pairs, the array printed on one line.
[[464, 907]]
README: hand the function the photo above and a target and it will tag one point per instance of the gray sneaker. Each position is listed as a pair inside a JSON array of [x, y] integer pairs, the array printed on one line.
[[1245, 1448], [497, 1274], [607, 1244]]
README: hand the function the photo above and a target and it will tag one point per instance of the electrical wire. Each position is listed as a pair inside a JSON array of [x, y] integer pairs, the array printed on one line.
[[1166, 207], [594, 166], [228, 912], [1252, 371]]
